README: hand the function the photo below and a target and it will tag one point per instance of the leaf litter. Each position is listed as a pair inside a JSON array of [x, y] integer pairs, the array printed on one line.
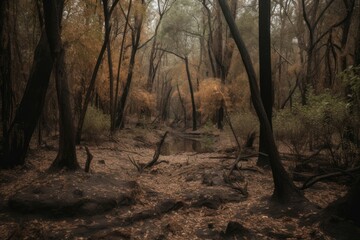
[[180, 179]]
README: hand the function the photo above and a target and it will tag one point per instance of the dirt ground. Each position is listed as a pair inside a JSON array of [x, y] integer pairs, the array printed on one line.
[[183, 197]]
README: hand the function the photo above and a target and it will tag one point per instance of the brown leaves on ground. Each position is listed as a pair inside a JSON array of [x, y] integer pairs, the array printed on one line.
[[183, 198]]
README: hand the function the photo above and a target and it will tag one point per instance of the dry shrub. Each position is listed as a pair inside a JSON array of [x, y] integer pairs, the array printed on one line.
[[95, 123], [141, 101], [318, 125], [244, 123], [211, 93]]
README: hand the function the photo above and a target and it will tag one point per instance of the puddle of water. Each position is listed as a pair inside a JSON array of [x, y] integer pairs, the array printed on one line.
[[180, 145]]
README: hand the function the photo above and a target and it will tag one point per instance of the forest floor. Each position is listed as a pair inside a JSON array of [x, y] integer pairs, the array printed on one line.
[[185, 196]]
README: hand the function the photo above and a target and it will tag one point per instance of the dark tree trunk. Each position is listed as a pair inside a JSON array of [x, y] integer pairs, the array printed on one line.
[[191, 94], [121, 54], [66, 157], [110, 64], [31, 105], [91, 87], [5, 75], [266, 91], [90, 90], [182, 104], [357, 49], [136, 33], [284, 188]]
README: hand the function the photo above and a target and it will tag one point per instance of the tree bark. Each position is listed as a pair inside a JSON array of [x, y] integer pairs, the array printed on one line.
[[136, 33], [284, 188], [93, 78], [66, 157], [266, 87], [110, 64], [121, 54], [5, 75], [194, 127], [31, 105]]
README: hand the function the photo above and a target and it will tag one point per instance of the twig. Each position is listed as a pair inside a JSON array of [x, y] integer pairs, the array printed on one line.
[[136, 164], [242, 189]]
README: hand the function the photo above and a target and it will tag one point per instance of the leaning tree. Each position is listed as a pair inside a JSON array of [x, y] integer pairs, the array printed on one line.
[[284, 188]]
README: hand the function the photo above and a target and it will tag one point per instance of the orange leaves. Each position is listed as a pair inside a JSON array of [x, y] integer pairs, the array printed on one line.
[[211, 93]]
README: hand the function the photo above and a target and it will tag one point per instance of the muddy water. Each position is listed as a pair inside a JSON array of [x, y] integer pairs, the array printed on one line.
[[176, 145]]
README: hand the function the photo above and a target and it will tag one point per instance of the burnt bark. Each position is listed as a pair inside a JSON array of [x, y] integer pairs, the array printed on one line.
[[121, 54], [94, 74], [31, 105], [194, 126], [66, 157], [266, 86], [5, 74], [284, 188], [136, 33]]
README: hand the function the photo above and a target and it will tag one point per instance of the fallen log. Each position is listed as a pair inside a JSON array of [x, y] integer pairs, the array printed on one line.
[[314, 179]]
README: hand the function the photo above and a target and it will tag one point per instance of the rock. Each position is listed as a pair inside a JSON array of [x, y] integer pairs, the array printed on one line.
[[168, 206]]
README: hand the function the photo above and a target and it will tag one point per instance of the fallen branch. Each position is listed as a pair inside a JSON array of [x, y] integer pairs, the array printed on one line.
[[252, 169], [140, 167], [314, 179], [88, 159], [157, 152], [232, 130], [242, 189]]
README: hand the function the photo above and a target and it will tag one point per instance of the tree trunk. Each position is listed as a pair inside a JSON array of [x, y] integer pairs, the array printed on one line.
[[284, 188], [31, 105], [135, 44], [110, 64], [93, 77], [182, 104], [5, 75], [266, 88], [66, 157], [121, 54], [191, 94]]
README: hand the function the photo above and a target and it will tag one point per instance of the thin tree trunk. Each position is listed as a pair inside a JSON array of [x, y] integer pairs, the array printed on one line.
[[284, 188], [135, 44], [191, 94], [266, 87], [91, 88], [93, 78], [182, 104], [110, 64], [120, 61]]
